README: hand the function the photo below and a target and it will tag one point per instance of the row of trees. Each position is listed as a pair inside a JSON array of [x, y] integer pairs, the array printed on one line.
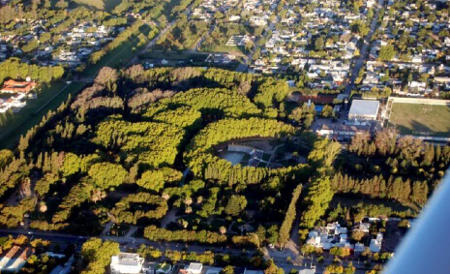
[[156, 179], [123, 214], [15, 69], [183, 117], [48, 119], [378, 187], [357, 212], [216, 101], [12, 174], [319, 192], [176, 256], [271, 92], [389, 154], [12, 216], [291, 213], [77, 195], [154, 233], [147, 142], [199, 152], [318, 197]]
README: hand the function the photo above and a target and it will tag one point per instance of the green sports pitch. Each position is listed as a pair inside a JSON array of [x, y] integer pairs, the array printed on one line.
[[421, 119]]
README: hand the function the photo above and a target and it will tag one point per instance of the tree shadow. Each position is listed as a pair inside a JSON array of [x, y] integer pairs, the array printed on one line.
[[419, 128]]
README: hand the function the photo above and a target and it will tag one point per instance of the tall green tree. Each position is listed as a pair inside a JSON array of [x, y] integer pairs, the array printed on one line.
[[106, 175]]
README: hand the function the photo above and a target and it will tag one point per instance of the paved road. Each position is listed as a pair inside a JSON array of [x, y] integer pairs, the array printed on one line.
[[163, 32], [200, 41], [126, 242], [363, 54], [51, 236], [243, 67]]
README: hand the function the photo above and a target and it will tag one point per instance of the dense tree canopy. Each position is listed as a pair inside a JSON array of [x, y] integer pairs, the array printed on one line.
[[147, 142], [122, 213], [106, 175], [229, 102], [155, 179], [13, 68], [146, 148], [97, 255], [199, 154]]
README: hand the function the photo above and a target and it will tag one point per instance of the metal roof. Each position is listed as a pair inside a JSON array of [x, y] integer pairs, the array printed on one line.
[[364, 108]]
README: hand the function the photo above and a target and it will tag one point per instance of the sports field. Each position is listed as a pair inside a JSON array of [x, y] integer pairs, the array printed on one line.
[[421, 119]]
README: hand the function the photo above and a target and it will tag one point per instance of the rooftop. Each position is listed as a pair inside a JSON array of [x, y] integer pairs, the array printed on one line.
[[127, 259], [195, 267], [364, 107]]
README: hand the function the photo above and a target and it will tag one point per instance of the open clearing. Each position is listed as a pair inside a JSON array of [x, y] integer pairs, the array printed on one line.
[[420, 119]]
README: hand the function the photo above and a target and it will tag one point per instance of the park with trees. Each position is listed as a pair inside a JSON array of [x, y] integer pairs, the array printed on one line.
[[137, 147]]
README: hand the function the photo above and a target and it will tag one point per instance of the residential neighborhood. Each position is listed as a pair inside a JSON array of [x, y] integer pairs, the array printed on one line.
[[68, 43]]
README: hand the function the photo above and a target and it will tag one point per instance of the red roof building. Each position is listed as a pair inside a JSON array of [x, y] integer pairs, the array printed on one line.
[[12, 86]]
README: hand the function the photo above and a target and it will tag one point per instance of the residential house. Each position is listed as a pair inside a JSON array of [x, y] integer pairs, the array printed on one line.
[[126, 263], [14, 86]]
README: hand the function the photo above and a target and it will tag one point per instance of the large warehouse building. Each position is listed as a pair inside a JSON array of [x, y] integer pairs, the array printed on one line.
[[364, 110]]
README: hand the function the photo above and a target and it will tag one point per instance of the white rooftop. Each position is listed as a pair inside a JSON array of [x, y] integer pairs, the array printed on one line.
[[307, 271], [126, 263], [195, 268], [364, 108]]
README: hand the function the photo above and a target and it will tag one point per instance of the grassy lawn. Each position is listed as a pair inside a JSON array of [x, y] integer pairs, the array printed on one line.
[[53, 96], [31, 114], [111, 4], [120, 56], [115, 58], [107, 5], [238, 51], [421, 119], [173, 55]]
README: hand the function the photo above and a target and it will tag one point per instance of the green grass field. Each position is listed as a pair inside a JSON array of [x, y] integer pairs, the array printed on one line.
[[107, 5], [53, 96], [115, 58], [32, 113], [174, 55], [118, 57], [421, 119]]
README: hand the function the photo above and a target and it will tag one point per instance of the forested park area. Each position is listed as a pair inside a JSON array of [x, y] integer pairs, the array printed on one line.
[[137, 146]]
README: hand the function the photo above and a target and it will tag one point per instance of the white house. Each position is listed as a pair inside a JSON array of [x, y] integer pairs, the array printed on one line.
[[14, 259], [375, 244], [329, 236], [126, 263], [194, 268]]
